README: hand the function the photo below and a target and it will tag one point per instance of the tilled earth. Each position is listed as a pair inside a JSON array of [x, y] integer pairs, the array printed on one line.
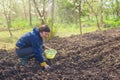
[[95, 57]]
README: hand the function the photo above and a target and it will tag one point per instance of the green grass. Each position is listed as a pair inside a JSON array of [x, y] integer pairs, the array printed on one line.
[[22, 23], [66, 30], [9, 42]]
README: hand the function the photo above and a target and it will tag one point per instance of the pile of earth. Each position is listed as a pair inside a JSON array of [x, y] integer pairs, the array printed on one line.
[[92, 56]]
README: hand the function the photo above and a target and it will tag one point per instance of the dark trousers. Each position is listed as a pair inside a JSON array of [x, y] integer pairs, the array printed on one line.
[[25, 52]]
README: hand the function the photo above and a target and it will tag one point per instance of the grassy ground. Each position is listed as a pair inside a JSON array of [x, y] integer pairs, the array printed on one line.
[[65, 32], [8, 42]]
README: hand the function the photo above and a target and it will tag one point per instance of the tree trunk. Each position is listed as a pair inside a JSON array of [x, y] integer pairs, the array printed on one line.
[[8, 17], [75, 13], [52, 20], [24, 10], [52, 13], [117, 8], [44, 15], [101, 12], [95, 14], [30, 16], [40, 15], [80, 17]]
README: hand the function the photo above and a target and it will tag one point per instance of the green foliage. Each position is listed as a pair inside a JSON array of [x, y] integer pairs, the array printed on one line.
[[65, 11], [112, 23]]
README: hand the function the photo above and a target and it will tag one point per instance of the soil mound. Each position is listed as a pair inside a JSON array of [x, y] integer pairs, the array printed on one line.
[[95, 57]]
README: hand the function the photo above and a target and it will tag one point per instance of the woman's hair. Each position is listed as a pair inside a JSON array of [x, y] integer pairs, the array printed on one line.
[[44, 28]]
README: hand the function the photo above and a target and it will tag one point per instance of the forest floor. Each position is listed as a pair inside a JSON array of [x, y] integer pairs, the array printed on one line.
[[95, 57]]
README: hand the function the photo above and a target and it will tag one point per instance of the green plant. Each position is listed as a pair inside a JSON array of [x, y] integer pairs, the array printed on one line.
[[112, 23]]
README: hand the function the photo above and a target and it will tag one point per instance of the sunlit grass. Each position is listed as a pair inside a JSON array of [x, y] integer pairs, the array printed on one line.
[[9, 42], [75, 29]]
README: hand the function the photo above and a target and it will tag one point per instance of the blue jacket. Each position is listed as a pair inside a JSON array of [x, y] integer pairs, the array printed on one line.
[[34, 40]]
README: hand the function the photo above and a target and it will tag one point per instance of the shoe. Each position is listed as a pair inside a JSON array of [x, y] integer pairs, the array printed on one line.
[[31, 56], [24, 61]]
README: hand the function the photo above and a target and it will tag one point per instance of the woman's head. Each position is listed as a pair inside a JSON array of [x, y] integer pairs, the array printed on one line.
[[44, 31]]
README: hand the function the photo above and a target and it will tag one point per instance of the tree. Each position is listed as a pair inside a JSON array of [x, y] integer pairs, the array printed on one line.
[[77, 4], [117, 8], [95, 12], [78, 16], [41, 15], [30, 15], [24, 8], [66, 10], [101, 13], [52, 19], [7, 13]]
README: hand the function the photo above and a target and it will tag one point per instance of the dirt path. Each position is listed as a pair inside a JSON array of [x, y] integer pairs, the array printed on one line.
[[97, 57]]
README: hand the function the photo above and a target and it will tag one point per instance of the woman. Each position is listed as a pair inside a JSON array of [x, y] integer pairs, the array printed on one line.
[[31, 44]]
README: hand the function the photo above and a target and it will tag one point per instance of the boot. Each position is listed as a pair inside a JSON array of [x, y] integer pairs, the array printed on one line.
[[24, 61]]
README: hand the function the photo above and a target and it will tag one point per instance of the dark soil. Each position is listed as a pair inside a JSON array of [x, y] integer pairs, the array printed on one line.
[[97, 57]]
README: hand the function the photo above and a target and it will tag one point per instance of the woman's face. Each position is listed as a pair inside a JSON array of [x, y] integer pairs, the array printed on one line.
[[44, 34]]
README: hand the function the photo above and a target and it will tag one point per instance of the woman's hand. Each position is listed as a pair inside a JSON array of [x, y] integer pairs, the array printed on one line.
[[47, 47], [47, 67]]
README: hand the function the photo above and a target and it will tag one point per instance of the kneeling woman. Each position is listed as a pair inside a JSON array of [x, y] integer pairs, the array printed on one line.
[[31, 44]]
